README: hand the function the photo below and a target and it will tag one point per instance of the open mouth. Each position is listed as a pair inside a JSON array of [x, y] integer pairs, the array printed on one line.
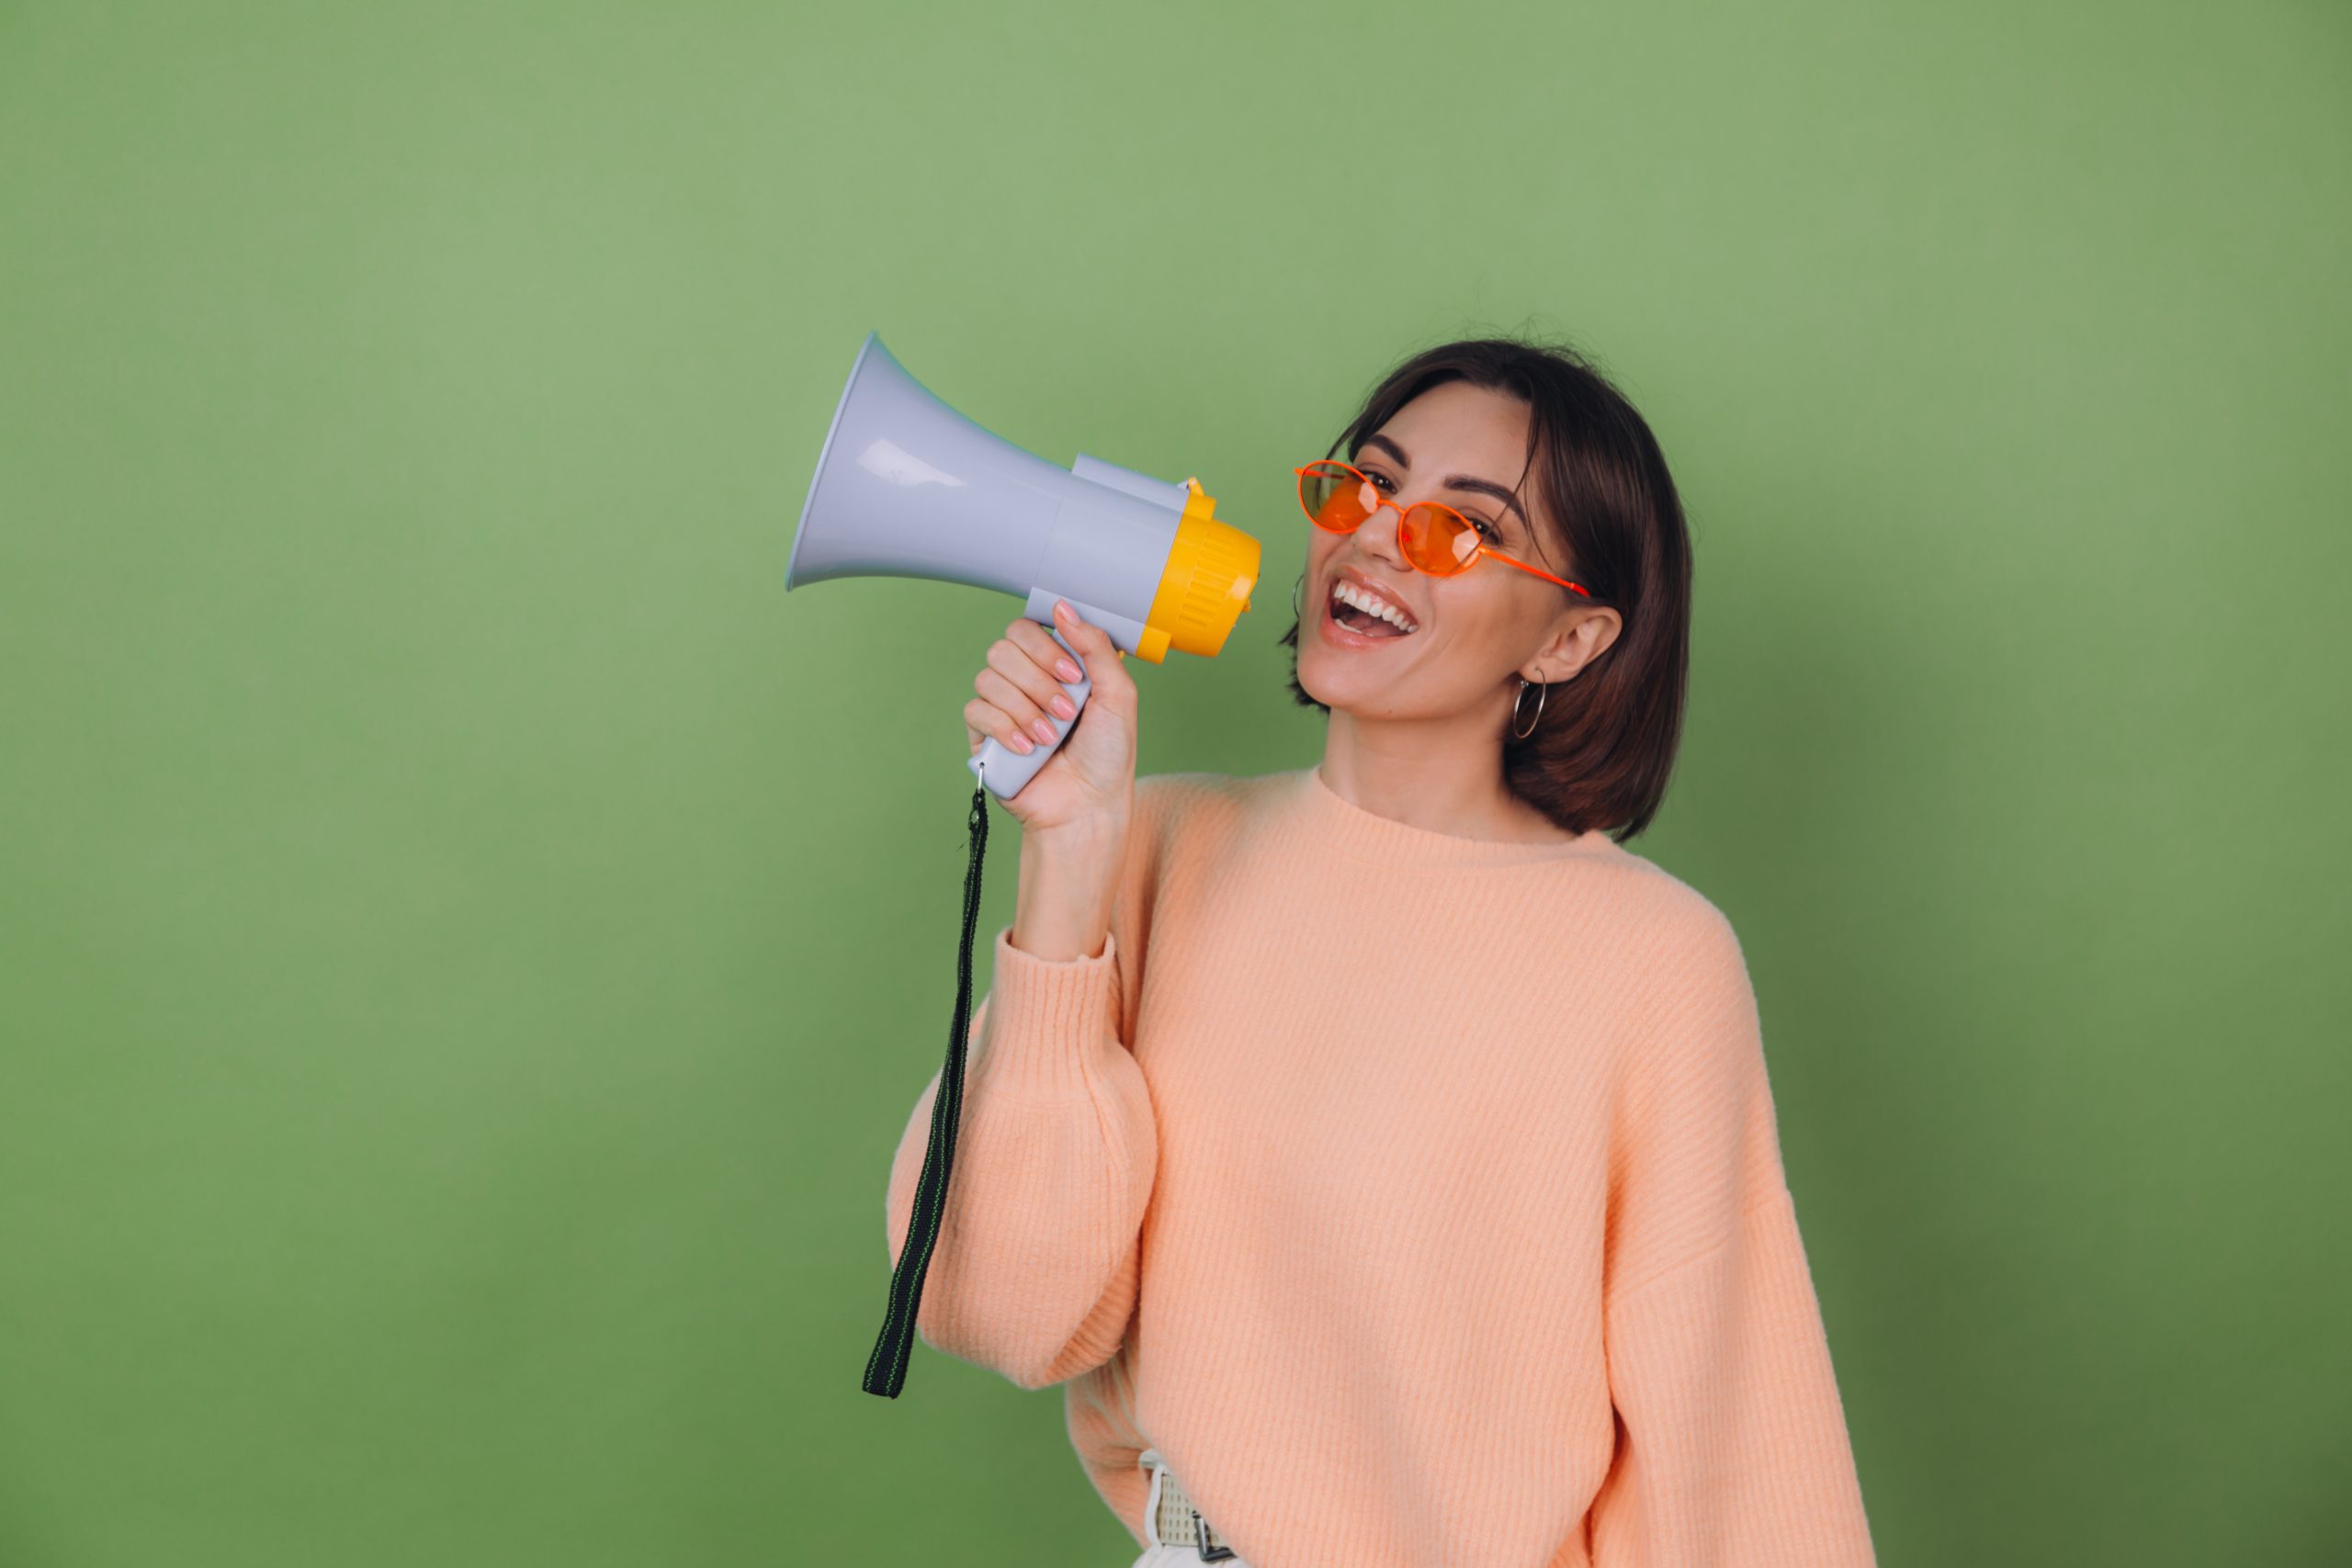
[[1366, 615]]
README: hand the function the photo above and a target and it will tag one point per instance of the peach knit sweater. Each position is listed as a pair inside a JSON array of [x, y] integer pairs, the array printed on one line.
[[1418, 1197]]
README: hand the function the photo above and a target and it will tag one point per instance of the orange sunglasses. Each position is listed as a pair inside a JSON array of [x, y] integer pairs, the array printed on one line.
[[1436, 538]]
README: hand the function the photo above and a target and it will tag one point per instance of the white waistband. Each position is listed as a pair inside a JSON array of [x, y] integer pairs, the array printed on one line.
[[1169, 1519]]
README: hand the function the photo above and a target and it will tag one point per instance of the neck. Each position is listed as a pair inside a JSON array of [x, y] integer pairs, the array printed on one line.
[[1429, 776]]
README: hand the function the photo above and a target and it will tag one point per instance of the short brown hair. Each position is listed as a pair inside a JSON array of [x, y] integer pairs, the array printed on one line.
[[1602, 753]]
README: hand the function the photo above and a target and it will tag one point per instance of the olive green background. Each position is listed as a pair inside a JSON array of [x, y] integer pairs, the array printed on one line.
[[469, 942]]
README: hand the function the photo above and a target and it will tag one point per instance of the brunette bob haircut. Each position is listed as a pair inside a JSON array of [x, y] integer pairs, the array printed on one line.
[[1604, 747]]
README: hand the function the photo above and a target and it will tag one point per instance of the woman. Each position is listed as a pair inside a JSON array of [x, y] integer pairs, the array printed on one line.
[[1379, 1153]]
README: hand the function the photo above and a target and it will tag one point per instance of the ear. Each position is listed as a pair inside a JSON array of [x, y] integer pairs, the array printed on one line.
[[1582, 635]]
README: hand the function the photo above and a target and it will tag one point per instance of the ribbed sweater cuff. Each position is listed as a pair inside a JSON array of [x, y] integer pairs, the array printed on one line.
[[1046, 1018]]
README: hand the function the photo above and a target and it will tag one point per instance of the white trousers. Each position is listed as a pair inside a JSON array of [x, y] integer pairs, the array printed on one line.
[[1158, 1554]]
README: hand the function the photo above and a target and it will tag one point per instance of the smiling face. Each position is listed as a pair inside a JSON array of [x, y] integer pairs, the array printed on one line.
[[1473, 634]]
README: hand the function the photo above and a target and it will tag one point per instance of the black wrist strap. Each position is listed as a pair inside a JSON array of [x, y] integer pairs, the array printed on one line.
[[886, 1369]]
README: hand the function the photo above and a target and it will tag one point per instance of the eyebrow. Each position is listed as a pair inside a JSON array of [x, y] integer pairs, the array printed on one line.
[[1455, 481]]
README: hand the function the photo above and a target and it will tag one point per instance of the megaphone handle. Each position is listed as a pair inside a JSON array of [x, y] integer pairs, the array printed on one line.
[[1005, 772]]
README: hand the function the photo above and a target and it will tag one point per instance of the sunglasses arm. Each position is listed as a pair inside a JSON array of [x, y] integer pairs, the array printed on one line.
[[1573, 588]]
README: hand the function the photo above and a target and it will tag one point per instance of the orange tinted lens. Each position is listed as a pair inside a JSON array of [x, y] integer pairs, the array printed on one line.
[[1437, 539], [1332, 496]]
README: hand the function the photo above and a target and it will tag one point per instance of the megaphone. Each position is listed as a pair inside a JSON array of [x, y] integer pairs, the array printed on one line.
[[907, 487]]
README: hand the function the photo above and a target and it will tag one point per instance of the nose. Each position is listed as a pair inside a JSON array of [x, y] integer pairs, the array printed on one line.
[[1377, 535]]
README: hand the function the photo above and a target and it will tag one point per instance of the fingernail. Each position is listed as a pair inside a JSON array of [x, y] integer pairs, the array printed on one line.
[[1045, 731], [1067, 671], [1024, 745], [1064, 706], [1062, 611]]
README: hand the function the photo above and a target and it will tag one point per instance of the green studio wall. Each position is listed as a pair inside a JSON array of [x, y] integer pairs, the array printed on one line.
[[452, 1038]]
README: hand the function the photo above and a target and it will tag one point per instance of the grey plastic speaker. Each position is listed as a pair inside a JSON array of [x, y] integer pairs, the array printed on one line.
[[907, 487]]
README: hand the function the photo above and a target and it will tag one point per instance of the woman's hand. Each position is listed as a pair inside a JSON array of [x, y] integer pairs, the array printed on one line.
[[1085, 792]]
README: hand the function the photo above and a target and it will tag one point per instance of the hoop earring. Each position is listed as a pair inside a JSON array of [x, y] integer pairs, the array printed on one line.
[[1295, 613], [1544, 688]]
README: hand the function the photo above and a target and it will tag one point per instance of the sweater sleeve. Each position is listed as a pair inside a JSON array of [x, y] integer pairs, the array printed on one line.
[[1731, 1447], [1034, 1272]]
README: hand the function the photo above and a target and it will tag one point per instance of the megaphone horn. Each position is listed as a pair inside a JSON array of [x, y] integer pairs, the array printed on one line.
[[907, 487]]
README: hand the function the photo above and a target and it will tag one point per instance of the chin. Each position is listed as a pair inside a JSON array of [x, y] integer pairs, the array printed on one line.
[[1329, 681]]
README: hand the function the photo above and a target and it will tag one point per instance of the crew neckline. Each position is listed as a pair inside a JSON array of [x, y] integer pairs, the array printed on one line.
[[1352, 830]]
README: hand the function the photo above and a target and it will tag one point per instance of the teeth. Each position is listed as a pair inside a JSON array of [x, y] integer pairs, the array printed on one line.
[[1373, 605]]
